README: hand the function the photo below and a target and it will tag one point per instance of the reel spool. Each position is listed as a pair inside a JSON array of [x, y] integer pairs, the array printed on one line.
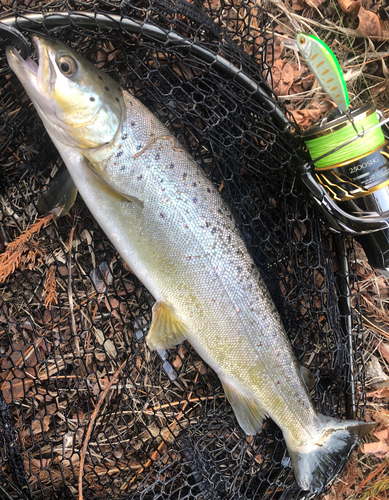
[[350, 168]]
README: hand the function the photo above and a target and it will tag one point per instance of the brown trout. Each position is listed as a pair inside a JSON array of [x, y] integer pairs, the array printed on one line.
[[170, 225]]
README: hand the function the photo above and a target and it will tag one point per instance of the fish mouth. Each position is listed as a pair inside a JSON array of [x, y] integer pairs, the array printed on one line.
[[41, 74]]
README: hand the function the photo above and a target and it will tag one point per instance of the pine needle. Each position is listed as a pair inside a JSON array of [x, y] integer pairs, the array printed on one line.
[[50, 294], [20, 251]]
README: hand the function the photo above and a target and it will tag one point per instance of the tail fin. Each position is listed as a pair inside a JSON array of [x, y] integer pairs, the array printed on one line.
[[317, 463]]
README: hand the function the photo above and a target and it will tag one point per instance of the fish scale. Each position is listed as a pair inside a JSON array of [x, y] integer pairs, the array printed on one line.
[[171, 226]]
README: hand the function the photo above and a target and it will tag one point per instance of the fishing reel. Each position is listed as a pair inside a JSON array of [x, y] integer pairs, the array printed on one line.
[[350, 179]]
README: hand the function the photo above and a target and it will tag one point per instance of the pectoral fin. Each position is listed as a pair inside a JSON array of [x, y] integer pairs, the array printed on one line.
[[110, 184], [247, 409], [61, 193], [167, 329]]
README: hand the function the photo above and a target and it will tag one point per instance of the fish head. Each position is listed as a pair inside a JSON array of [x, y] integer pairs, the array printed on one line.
[[81, 106]]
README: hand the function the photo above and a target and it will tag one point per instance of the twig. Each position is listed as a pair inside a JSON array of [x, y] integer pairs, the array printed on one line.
[[70, 292], [372, 326], [91, 424]]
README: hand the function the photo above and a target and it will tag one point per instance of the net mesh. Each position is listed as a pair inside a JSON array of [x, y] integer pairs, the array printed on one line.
[[72, 312]]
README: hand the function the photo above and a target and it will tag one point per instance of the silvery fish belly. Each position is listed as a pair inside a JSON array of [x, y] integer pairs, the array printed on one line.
[[171, 226]]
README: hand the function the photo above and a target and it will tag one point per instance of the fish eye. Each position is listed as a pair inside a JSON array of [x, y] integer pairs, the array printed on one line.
[[302, 40], [67, 65]]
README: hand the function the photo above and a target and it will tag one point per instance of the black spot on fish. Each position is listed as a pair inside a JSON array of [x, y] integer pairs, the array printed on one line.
[[213, 230], [106, 88], [186, 226], [229, 238], [92, 99], [140, 177], [162, 215], [122, 167], [184, 175], [124, 137], [119, 154], [171, 165], [194, 200], [194, 184], [116, 99], [219, 210], [100, 77], [139, 146], [207, 223], [208, 190], [157, 156], [132, 124], [239, 269]]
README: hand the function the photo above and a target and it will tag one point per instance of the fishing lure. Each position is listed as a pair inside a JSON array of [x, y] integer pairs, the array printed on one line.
[[324, 65]]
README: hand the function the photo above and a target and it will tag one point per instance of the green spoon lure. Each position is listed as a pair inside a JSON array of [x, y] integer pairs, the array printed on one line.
[[324, 65]]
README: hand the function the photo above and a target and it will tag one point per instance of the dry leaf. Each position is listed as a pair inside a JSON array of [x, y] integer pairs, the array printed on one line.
[[349, 6], [200, 367], [381, 393], [375, 373], [287, 77], [369, 24], [177, 363], [384, 350], [277, 45], [306, 117], [382, 435], [379, 449], [314, 3], [297, 5], [283, 76], [15, 389]]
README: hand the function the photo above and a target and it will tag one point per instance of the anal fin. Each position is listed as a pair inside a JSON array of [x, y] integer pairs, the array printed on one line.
[[167, 329], [247, 409]]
